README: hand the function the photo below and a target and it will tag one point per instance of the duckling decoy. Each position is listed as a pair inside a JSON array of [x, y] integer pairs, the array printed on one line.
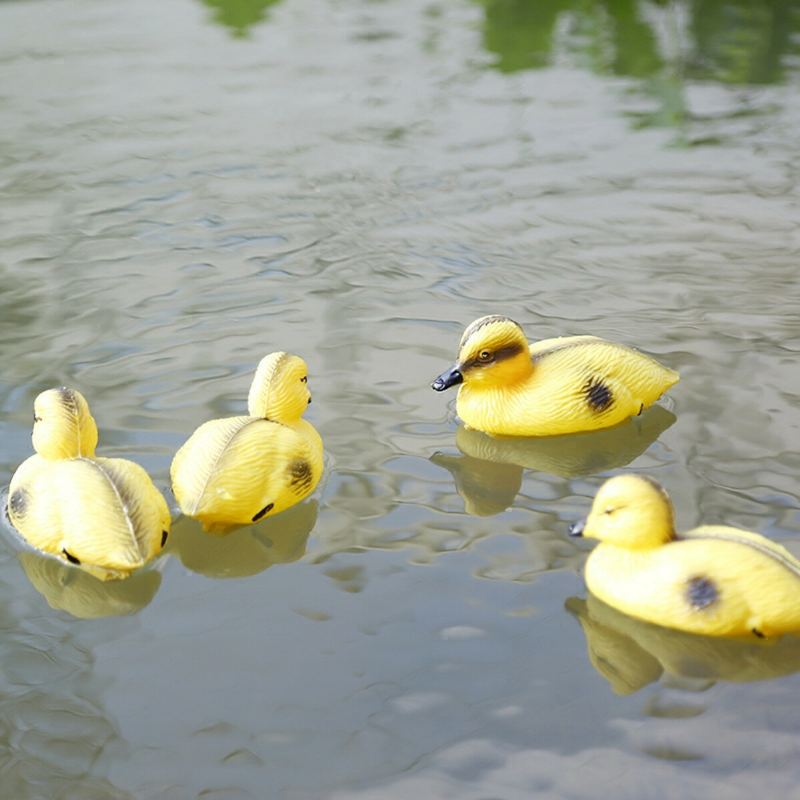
[[714, 579], [103, 514], [238, 470], [555, 386]]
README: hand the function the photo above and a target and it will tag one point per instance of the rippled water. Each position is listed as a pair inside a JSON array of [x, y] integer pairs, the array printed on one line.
[[186, 186]]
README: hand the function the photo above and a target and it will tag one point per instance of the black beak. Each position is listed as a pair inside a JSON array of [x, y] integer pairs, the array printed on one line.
[[576, 529], [450, 377]]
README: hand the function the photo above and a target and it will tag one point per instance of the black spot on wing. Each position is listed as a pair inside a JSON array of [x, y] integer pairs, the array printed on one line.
[[18, 502], [267, 508], [164, 535], [701, 592], [598, 395], [300, 476]]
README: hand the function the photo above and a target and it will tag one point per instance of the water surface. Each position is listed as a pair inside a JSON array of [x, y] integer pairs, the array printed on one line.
[[186, 186]]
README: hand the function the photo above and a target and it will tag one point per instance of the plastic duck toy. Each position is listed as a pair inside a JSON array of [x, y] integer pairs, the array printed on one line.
[[238, 470], [713, 580], [563, 385], [103, 514]]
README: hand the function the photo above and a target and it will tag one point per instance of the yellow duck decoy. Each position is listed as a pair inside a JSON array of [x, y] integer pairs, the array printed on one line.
[[563, 385], [714, 580], [238, 470], [104, 514]]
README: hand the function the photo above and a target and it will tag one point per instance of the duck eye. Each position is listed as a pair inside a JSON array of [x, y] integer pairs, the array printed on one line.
[[304, 379], [609, 510], [485, 356], [36, 419]]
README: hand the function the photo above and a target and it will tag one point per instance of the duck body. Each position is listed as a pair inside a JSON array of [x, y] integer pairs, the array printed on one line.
[[556, 386], [238, 470], [103, 514], [712, 580]]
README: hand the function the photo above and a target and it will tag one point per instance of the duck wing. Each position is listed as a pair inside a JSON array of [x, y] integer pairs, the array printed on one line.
[[110, 517], [753, 540]]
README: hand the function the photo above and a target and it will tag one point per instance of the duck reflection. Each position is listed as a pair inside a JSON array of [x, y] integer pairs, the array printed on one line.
[[76, 591], [247, 550], [239, 15], [488, 474], [630, 653]]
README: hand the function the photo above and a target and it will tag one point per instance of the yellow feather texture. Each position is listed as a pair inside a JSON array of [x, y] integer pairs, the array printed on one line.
[[576, 384], [102, 513], [712, 580], [238, 470], [557, 386]]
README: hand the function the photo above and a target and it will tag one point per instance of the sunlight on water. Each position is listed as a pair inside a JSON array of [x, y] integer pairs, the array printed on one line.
[[189, 186]]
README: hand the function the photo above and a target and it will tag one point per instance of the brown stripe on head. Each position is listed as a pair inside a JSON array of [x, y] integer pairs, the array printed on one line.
[[494, 357], [492, 340], [482, 322]]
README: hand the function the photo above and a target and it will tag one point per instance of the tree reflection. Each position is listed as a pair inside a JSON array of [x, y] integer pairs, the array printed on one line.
[[239, 15], [730, 41]]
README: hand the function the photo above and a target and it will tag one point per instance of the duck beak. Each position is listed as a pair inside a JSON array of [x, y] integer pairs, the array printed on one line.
[[450, 377], [576, 529]]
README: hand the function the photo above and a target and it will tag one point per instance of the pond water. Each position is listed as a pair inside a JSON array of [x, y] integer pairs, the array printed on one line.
[[187, 186]]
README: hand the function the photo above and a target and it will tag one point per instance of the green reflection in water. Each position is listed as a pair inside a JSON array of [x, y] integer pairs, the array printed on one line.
[[743, 41], [735, 42], [732, 41], [630, 653], [239, 15]]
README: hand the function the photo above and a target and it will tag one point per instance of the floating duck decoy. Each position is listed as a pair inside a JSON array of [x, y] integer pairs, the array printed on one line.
[[555, 386], [238, 470], [714, 580], [103, 514]]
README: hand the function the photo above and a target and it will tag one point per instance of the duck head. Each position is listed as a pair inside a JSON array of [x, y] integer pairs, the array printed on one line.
[[630, 511], [493, 351], [63, 426], [280, 388]]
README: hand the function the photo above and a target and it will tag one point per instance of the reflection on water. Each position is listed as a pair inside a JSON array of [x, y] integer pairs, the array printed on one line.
[[247, 550], [630, 653], [732, 41], [239, 15], [76, 591], [489, 473], [736, 42]]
